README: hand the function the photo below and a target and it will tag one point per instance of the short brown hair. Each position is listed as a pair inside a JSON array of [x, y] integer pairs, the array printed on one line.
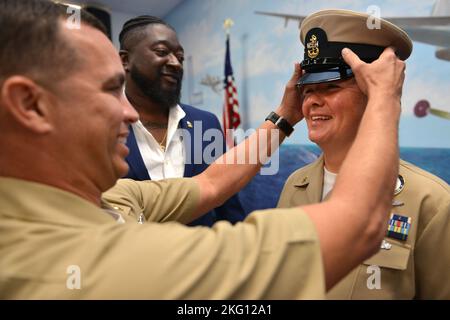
[[30, 39]]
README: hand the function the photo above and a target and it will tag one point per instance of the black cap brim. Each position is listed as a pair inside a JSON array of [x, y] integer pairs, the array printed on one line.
[[324, 76]]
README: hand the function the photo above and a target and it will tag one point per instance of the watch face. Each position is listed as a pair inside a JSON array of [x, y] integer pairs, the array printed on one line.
[[273, 117]]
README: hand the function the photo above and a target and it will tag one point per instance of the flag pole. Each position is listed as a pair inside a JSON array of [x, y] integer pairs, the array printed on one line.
[[227, 25], [231, 119]]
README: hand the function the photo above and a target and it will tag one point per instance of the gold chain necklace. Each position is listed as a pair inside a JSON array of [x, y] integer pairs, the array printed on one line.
[[152, 125], [162, 144]]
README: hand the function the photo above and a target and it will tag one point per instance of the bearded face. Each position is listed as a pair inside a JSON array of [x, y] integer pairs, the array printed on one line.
[[155, 65], [164, 87]]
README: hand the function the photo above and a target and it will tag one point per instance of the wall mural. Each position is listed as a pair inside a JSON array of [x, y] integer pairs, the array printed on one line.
[[264, 44]]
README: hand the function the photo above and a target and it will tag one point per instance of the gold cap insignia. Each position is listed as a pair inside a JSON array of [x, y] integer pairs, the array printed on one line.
[[313, 47]]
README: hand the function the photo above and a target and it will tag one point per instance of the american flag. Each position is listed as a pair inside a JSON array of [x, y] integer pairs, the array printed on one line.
[[231, 118]]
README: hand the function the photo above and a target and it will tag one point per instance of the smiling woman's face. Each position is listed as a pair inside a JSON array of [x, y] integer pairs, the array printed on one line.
[[333, 111]]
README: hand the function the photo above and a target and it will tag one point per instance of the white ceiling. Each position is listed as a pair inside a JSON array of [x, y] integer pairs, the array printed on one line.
[[159, 8]]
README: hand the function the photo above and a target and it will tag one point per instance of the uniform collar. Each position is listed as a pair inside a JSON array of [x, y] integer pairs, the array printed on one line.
[[33, 201], [312, 179]]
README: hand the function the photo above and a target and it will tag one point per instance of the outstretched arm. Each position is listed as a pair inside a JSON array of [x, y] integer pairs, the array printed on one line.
[[233, 170]]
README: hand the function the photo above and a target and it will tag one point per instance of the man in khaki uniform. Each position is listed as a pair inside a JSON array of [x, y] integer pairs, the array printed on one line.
[[64, 123], [414, 260]]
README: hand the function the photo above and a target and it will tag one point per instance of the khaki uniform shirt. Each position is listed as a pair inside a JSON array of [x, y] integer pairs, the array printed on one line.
[[56, 245], [416, 268]]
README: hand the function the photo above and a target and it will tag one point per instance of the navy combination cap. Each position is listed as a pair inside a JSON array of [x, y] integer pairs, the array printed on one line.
[[325, 33]]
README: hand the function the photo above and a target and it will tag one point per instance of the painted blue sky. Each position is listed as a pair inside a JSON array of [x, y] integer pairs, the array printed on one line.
[[271, 50]]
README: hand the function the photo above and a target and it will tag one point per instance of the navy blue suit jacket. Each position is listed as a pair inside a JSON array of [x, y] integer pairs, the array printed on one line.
[[232, 209]]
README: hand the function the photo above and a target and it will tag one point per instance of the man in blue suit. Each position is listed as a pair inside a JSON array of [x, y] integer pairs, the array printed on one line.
[[165, 142]]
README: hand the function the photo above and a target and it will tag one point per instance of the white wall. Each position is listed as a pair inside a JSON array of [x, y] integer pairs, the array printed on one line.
[[117, 21]]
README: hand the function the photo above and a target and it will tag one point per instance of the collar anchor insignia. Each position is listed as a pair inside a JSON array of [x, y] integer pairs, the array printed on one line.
[[399, 185]]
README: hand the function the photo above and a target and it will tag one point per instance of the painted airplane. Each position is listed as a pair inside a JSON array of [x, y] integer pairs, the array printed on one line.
[[215, 83], [433, 30]]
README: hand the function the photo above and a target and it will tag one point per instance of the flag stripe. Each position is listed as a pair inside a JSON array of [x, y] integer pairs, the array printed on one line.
[[231, 118]]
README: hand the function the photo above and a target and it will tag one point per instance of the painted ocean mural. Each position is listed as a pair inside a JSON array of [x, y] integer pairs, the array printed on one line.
[[263, 191]]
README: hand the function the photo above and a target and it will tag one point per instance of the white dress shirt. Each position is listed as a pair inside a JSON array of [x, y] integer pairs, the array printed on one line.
[[160, 164]]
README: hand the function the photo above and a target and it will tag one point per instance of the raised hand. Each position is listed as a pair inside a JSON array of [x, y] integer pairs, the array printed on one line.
[[383, 76], [291, 104]]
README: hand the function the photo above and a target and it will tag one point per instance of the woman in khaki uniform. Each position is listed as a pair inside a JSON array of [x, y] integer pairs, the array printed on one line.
[[414, 259]]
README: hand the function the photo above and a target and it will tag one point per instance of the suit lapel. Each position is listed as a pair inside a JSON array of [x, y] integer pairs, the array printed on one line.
[[188, 141], [138, 170]]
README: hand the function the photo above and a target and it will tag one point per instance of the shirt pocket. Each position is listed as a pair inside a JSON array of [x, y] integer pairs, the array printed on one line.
[[396, 257], [395, 279]]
